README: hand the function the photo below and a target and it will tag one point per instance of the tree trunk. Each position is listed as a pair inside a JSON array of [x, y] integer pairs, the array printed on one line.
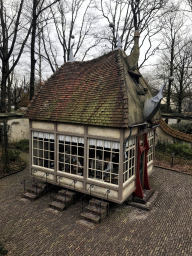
[[171, 74], [3, 88], [34, 24], [5, 159]]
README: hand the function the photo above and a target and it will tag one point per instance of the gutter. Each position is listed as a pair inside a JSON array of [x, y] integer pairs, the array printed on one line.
[[132, 126]]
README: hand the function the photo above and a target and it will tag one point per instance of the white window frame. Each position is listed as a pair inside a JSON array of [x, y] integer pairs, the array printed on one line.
[[150, 154], [129, 159], [71, 162], [43, 154], [106, 173]]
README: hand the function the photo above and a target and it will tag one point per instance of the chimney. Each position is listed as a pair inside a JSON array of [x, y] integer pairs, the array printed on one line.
[[132, 59]]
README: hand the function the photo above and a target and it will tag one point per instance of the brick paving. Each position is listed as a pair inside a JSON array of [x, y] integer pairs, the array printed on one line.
[[30, 228]]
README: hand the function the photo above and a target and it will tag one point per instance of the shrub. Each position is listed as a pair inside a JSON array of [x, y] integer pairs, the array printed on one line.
[[161, 146], [23, 145], [178, 149], [2, 250], [183, 127], [12, 156]]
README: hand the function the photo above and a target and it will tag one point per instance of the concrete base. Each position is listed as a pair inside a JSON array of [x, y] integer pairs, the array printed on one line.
[[146, 196], [149, 201]]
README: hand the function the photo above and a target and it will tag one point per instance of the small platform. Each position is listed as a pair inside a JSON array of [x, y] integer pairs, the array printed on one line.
[[146, 203]]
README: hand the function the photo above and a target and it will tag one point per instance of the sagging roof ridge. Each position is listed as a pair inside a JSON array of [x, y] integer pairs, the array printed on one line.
[[111, 118], [72, 63]]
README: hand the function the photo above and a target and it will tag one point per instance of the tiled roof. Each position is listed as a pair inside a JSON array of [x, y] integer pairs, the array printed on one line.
[[174, 133], [90, 92], [97, 92]]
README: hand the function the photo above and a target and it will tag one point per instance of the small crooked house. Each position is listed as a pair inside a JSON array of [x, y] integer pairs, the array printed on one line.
[[87, 127]]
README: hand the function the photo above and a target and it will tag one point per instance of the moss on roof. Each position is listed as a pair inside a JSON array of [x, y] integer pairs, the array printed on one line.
[[96, 92]]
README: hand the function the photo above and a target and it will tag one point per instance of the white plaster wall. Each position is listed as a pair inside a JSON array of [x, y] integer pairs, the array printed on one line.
[[164, 137], [104, 132], [150, 169], [71, 128], [18, 129], [129, 189], [134, 131], [101, 191], [69, 182], [42, 176], [43, 125]]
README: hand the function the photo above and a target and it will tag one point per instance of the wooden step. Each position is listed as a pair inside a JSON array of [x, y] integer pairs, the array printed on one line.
[[35, 190], [96, 210], [30, 196], [86, 223], [91, 217], [97, 202], [61, 199], [40, 185], [57, 206], [68, 193]]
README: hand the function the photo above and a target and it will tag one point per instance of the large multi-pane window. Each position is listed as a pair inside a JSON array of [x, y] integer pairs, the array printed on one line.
[[71, 154], [103, 160], [43, 149], [129, 159], [151, 143]]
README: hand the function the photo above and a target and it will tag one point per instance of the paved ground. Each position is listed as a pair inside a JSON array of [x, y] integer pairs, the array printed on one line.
[[29, 228]]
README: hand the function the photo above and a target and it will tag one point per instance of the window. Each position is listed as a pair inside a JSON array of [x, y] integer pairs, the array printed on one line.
[[135, 77], [129, 163], [150, 141], [103, 160], [43, 149], [71, 154]]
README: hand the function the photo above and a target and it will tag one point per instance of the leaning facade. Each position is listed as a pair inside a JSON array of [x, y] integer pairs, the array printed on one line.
[[87, 128]]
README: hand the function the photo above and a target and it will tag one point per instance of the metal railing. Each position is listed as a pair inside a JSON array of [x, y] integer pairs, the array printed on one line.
[[81, 199], [50, 187], [106, 193], [74, 181], [24, 184]]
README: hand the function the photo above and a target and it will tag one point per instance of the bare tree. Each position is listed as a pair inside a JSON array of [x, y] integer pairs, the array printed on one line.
[[129, 15], [173, 34], [183, 74], [74, 24], [11, 26], [38, 7]]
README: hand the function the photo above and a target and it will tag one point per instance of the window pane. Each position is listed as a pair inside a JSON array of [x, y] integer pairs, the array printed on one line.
[[129, 161], [103, 160], [71, 154], [41, 149]]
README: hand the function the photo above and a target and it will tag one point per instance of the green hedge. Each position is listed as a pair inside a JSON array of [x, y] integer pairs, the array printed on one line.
[[2, 250], [12, 155], [178, 149], [183, 127], [23, 145]]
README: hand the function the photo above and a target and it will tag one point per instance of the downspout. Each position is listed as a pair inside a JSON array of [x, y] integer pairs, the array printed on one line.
[[124, 143]]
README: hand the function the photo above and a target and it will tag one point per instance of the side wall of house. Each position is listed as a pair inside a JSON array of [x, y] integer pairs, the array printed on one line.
[[54, 164], [83, 139], [18, 129]]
